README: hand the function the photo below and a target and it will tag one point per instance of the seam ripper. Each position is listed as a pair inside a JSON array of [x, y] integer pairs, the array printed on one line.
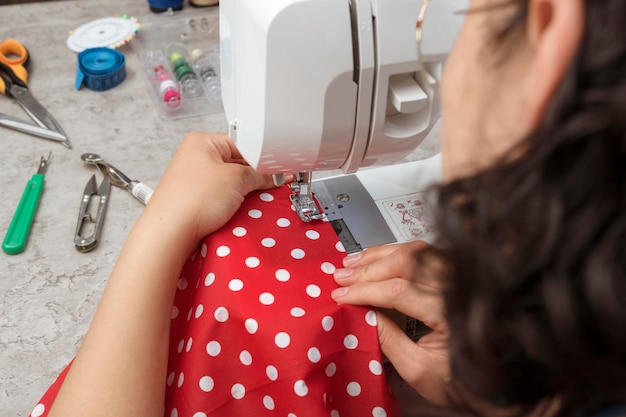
[[19, 229]]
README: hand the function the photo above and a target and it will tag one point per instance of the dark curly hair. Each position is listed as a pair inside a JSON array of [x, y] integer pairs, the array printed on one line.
[[536, 245]]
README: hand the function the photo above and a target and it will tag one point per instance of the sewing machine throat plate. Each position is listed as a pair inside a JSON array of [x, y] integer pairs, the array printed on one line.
[[352, 212]]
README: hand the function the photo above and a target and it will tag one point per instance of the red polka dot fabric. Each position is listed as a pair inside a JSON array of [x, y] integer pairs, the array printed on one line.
[[255, 331]]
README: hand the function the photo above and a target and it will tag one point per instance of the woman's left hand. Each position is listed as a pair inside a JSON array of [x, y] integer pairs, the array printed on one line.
[[203, 186], [392, 277], [121, 366]]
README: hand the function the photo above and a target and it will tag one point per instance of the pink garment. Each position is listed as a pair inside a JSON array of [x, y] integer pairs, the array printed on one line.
[[255, 331]]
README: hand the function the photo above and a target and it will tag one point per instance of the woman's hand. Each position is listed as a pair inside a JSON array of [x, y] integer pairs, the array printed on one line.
[[203, 186], [392, 277]]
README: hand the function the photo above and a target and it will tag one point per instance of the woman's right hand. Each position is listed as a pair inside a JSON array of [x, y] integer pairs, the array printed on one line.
[[392, 277]]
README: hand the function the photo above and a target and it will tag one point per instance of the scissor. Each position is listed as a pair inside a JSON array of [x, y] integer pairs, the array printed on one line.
[[14, 60]]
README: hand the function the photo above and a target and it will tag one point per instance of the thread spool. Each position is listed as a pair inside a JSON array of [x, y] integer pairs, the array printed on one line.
[[168, 88], [177, 55], [160, 6]]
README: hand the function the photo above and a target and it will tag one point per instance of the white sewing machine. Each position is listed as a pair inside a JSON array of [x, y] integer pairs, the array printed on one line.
[[337, 84]]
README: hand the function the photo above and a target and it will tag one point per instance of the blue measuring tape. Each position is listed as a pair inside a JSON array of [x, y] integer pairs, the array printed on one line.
[[100, 69]]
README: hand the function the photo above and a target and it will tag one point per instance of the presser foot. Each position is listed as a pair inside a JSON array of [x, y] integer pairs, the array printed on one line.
[[302, 198], [307, 210]]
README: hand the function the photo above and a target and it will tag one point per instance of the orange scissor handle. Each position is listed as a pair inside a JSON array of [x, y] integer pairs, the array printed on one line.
[[14, 56]]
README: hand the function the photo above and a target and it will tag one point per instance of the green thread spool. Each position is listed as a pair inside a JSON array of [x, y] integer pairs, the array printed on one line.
[[185, 74]]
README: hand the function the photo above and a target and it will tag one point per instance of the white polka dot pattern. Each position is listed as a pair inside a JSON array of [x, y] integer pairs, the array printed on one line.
[[239, 231], [235, 284], [268, 242], [38, 411], [312, 234], [206, 384], [221, 314], [222, 251], [255, 331], [297, 312], [238, 391], [213, 348], [328, 323], [375, 367], [268, 402], [208, 280], [300, 388], [252, 326], [245, 357], [282, 340], [271, 372]]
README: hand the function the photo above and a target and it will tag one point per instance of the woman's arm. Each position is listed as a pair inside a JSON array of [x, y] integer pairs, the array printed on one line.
[[120, 368]]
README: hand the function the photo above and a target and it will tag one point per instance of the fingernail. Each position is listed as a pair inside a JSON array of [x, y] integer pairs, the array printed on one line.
[[339, 292], [341, 273], [351, 259]]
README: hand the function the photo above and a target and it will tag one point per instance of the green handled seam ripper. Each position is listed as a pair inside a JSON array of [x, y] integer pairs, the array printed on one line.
[[17, 235]]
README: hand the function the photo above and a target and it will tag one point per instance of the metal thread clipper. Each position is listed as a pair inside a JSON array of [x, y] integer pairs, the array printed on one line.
[[88, 229]]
